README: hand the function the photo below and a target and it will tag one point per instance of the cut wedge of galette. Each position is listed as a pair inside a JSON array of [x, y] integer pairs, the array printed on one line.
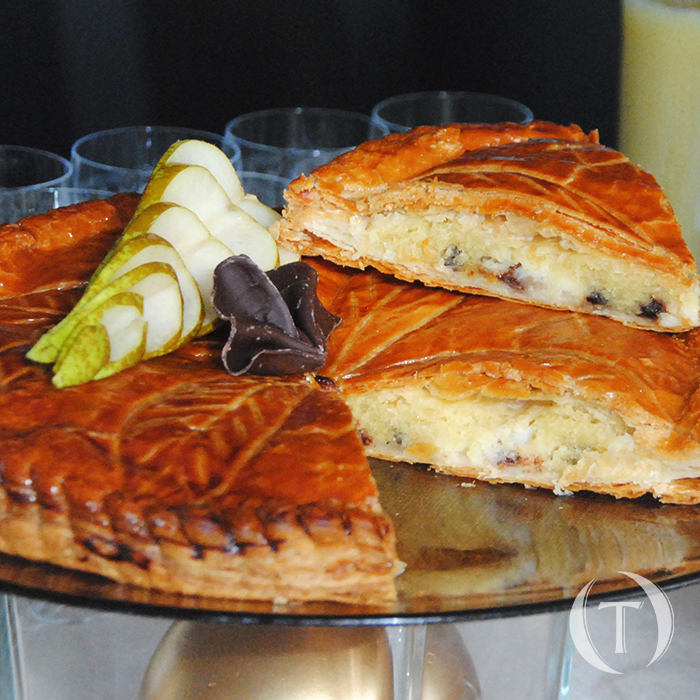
[[542, 214], [504, 392]]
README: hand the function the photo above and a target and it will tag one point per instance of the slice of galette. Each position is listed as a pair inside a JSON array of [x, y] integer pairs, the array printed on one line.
[[541, 214]]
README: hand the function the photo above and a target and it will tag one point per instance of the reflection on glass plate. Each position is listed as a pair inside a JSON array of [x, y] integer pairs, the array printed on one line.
[[472, 550]]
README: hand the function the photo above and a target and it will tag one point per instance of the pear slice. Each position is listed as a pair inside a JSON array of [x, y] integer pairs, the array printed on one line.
[[89, 353], [264, 215], [209, 156], [200, 251], [149, 247], [240, 232], [287, 256], [190, 186], [112, 337], [195, 188], [129, 255], [127, 327], [132, 252], [162, 310], [47, 348], [125, 324]]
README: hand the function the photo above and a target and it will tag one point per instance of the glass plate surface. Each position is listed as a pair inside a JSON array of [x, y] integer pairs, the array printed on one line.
[[473, 550]]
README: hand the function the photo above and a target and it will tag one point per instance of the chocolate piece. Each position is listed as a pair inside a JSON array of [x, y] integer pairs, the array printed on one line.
[[652, 309], [325, 383], [510, 277], [596, 298], [296, 283], [278, 324]]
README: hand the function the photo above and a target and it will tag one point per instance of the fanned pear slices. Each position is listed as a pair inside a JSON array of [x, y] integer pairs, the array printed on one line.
[[207, 155], [195, 188], [213, 159], [137, 316], [112, 337], [152, 292], [125, 263], [200, 251]]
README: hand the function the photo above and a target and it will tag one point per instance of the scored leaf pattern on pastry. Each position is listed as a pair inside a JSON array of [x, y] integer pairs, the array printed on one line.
[[95, 226], [174, 475], [378, 163], [575, 181]]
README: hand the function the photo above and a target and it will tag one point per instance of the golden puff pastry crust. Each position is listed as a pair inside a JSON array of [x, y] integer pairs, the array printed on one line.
[[541, 214], [487, 388], [173, 474]]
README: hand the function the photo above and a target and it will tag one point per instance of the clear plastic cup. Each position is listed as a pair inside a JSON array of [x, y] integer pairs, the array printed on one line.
[[26, 175], [22, 167], [290, 141], [400, 113], [122, 159]]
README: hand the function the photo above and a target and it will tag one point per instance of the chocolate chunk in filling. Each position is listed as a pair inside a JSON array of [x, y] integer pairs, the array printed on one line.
[[512, 277], [652, 309], [597, 298], [508, 458], [453, 258]]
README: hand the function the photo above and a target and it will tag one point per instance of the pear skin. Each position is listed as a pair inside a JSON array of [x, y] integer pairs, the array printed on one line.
[[114, 332], [87, 354], [47, 348]]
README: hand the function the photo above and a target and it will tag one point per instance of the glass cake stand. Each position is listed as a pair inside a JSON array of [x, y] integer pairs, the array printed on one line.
[[474, 552]]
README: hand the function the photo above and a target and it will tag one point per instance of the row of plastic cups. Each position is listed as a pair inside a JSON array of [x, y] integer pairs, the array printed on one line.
[[103, 163], [269, 148], [123, 159], [281, 143]]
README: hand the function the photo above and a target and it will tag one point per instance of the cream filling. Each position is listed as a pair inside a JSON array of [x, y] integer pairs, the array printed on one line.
[[513, 255], [555, 443]]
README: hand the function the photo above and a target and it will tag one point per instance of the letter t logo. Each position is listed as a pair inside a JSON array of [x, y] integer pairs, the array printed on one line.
[[620, 606]]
